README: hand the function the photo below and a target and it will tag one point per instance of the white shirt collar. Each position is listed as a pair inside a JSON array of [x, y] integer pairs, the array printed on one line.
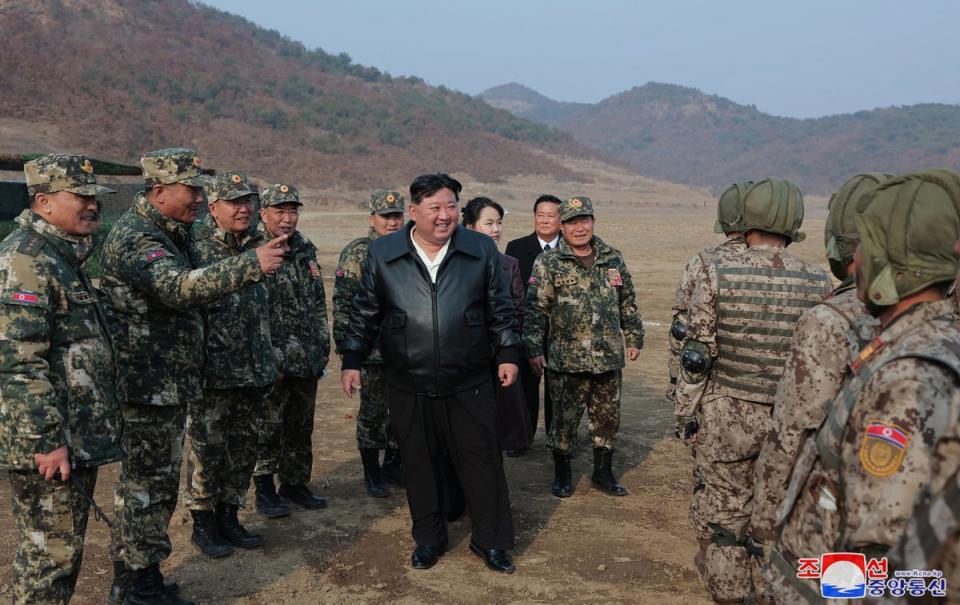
[[432, 265], [553, 244]]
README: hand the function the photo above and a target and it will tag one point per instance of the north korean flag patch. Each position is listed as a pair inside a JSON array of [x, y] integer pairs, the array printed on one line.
[[883, 448], [155, 254], [340, 272], [614, 278], [314, 269], [25, 297]]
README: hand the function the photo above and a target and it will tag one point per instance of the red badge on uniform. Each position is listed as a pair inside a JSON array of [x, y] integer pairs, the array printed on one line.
[[613, 277], [340, 272], [314, 269], [155, 254], [883, 448], [24, 297], [532, 280]]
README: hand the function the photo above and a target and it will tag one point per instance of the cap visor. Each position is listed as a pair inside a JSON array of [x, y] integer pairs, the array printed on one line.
[[90, 190], [576, 214], [389, 211], [196, 181], [233, 195], [282, 201]]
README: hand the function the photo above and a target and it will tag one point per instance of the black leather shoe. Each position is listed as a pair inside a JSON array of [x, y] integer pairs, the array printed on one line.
[[123, 579], [425, 557], [513, 453], [496, 559], [231, 530], [301, 495], [269, 503], [207, 536]]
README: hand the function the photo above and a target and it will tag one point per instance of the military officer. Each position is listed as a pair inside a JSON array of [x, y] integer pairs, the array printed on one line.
[[741, 317], [853, 486], [59, 416], [240, 369], [728, 223], [583, 291], [373, 434], [301, 344], [155, 292]]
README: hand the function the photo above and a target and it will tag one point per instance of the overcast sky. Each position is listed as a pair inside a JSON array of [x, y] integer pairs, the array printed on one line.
[[801, 58]]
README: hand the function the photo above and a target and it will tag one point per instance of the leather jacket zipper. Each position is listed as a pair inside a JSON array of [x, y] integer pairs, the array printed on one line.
[[436, 335]]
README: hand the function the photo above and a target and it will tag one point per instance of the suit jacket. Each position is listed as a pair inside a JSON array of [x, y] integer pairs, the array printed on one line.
[[525, 249], [518, 287]]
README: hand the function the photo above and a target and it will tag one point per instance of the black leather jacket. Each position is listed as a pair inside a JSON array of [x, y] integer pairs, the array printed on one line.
[[436, 339]]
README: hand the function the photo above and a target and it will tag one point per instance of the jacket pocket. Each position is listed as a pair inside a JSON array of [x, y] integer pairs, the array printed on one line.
[[393, 338], [479, 347]]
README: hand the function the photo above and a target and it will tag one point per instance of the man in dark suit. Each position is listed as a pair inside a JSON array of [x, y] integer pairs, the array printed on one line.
[[546, 236]]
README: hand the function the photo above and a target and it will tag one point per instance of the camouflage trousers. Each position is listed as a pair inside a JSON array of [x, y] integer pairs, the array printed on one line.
[[51, 520], [223, 446], [147, 490], [728, 443], [572, 393], [373, 423], [285, 433]]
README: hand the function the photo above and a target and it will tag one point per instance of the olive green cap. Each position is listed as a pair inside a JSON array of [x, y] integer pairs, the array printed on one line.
[[278, 193], [173, 165], [840, 235], [386, 202], [730, 208], [62, 172], [908, 228], [574, 207], [229, 186], [774, 206]]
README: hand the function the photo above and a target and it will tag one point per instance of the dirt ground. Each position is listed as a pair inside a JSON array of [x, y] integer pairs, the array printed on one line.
[[590, 548]]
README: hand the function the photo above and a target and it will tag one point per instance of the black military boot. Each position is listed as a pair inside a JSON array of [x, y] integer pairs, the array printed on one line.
[[147, 588], [562, 481], [269, 503], [206, 535], [232, 531], [301, 494], [391, 470], [603, 478], [371, 473], [122, 579]]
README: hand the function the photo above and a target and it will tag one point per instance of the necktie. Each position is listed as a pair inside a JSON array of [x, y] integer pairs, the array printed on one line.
[[546, 247]]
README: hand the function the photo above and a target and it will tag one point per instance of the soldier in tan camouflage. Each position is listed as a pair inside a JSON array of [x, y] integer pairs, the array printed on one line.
[[240, 369], [583, 291], [741, 317], [827, 337], [300, 336], [59, 418], [373, 432], [155, 292], [854, 483], [728, 223]]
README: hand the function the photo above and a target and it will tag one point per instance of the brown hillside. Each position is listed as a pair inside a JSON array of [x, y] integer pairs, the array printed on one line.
[[115, 78]]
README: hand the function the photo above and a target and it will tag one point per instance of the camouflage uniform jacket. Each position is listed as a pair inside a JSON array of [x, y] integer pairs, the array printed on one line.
[[825, 340], [56, 362], [732, 246], [345, 286], [237, 325], [742, 314], [155, 293], [298, 310], [589, 312], [876, 448]]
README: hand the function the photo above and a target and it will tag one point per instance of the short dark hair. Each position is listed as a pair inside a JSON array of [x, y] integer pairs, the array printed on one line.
[[471, 212], [546, 197], [426, 185]]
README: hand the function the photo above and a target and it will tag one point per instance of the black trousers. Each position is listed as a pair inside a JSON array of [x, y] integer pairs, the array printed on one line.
[[461, 428]]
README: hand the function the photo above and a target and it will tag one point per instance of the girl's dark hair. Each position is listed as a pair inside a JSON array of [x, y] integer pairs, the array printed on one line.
[[471, 212], [426, 185]]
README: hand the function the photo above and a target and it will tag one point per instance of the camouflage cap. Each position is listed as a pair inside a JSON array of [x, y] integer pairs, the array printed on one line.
[[386, 202], [277, 194], [574, 207], [62, 172], [173, 165], [229, 186]]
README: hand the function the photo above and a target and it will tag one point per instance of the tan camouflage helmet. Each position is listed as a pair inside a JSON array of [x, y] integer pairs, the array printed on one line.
[[574, 207], [730, 208], [774, 206], [62, 172], [840, 235], [173, 165], [908, 228], [386, 202], [229, 186], [278, 193]]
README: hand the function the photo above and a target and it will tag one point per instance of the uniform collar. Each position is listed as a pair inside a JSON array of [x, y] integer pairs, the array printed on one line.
[[143, 207], [77, 247]]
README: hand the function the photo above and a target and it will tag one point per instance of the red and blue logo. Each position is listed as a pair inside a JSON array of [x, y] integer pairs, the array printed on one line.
[[843, 575]]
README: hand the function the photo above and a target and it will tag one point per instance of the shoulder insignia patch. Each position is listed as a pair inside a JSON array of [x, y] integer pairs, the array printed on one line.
[[314, 269], [155, 254], [866, 353], [25, 297], [883, 449], [532, 280], [614, 278], [340, 272], [32, 244]]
